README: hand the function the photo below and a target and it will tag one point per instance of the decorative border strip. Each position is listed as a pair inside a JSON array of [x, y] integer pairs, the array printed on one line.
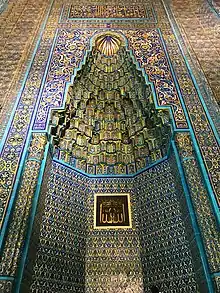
[[193, 218], [15, 142], [205, 95], [150, 16]]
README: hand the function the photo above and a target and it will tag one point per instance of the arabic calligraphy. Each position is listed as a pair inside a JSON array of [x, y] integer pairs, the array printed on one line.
[[112, 210], [106, 11]]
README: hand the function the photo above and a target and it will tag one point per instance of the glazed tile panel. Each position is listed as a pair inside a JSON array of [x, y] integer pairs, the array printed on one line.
[[15, 141], [19, 28], [139, 12], [73, 45], [199, 120], [144, 44], [202, 30], [112, 254]]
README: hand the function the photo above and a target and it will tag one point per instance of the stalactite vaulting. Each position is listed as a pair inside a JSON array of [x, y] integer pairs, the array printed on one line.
[[110, 124]]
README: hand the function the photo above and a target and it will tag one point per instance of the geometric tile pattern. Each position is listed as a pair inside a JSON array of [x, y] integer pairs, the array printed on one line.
[[200, 201], [111, 252]]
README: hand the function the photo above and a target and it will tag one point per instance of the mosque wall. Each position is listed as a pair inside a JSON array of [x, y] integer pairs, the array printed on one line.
[[42, 47], [34, 240], [20, 25], [188, 224]]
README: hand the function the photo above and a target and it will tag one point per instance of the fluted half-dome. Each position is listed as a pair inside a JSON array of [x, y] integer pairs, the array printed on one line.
[[108, 44]]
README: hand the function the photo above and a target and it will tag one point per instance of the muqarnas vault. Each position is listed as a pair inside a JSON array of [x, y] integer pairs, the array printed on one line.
[[110, 125]]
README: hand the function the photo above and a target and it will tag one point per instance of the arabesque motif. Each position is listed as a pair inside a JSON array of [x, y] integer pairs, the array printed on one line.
[[205, 137], [73, 45], [149, 53]]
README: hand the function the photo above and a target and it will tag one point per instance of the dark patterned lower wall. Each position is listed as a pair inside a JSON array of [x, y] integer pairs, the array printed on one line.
[[113, 255], [60, 260], [166, 257], [33, 245], [72, 256]]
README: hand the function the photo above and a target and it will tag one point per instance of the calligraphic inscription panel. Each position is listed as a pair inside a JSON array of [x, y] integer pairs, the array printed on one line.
[[107, 11], [112, 211]]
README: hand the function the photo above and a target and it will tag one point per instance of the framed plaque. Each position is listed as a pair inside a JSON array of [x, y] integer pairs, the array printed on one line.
[[112, 211]]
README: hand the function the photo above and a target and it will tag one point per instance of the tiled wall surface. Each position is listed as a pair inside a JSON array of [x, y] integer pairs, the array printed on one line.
[[166, 257]]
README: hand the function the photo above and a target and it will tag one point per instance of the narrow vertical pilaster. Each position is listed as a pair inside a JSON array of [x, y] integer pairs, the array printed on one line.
[[17, 229], [199, 197]]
